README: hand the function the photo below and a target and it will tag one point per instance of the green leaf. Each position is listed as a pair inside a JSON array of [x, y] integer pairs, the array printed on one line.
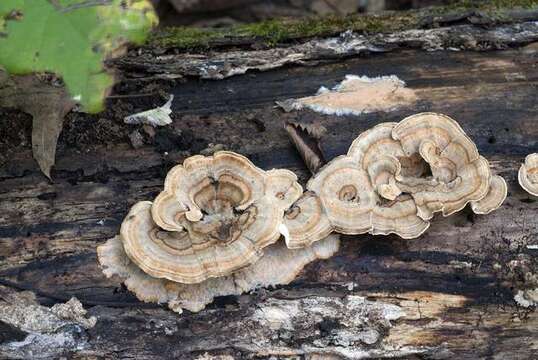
[[71, 38]]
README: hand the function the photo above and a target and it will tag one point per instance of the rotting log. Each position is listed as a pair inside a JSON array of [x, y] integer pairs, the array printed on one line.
[[448, 294]]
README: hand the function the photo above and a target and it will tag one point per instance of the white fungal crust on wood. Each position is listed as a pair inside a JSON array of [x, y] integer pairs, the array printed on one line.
[[356, 95], [214, 217], [278, 266], [528, 174], [348, 327], [393, 179]]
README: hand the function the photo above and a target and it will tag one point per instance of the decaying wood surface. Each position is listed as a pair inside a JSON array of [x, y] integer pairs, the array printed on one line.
[[448, 294]]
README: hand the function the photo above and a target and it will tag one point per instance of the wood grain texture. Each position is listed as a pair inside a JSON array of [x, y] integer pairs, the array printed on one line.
[[448, 294], [457, 33]]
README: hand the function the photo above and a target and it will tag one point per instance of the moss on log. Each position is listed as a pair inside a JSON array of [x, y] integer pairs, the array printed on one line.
[[270, 33]]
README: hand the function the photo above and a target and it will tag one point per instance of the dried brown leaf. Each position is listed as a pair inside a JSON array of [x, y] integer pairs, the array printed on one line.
[[306, 138], [47, 102]]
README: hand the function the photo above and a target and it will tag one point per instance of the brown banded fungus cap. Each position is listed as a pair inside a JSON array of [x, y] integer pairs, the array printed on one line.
[[494, 198], [346, 194], [528, 174], [393, 179], [459, 174], [214, 217], [306, 222], [358, 190]]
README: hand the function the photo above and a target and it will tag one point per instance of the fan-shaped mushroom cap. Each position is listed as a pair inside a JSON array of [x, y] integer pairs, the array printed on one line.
[[459, 174], [306, 222], [282, 187], [346, 194], [358, 191], [393, 179], [215, 216], [378, 154], [398, 217], [278, 266], [528, 174], [493, 199]]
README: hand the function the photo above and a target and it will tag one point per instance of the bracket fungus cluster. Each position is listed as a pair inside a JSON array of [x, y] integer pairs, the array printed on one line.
[[215, 227], [528, 174], [394, 178], [216, 217]]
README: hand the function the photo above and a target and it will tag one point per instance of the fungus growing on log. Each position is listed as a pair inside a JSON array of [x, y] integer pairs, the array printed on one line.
[[211, 232], [393, 179], [494, 198], [528, 174], [459, 174], [306, 222], [215, 216], [350, 192]]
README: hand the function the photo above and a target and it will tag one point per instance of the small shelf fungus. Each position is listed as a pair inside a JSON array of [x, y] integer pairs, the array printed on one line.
[[459, 175], [215, 216], [393, 179], [211, 232], [494, 198], [528, 174]]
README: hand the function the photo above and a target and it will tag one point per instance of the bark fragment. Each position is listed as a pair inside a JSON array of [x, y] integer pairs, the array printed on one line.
[[50, 331], [221, 65]]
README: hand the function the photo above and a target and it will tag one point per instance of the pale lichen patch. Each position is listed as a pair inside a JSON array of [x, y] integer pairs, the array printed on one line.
[[49, 330], [22, 311], [349, 327]]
